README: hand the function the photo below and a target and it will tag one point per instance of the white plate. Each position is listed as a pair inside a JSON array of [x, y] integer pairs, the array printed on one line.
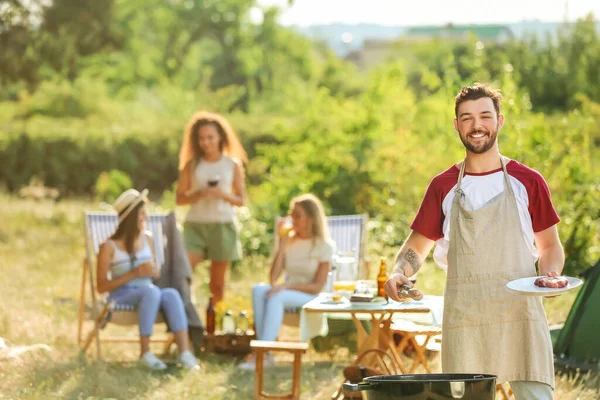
[[333, 302], [328, 300], [527, 287]]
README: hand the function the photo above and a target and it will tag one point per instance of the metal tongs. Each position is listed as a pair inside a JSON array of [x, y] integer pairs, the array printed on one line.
[[406, 292]]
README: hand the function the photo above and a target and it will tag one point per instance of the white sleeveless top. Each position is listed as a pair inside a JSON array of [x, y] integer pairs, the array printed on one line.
[[210, 210], [121, 262]]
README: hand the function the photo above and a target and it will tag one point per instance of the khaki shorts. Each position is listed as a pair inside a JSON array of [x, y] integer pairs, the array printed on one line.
[[213, 241]]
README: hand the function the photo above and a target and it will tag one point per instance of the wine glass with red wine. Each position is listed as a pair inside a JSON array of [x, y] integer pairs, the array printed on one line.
[[214, 181]]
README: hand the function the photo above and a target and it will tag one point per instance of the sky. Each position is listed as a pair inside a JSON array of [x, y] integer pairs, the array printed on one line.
[[431, 12]]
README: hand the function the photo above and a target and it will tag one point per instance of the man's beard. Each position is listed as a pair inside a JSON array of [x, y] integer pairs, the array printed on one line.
[[481, 146]]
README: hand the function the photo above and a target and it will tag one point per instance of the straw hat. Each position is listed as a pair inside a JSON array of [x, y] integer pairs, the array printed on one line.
[[127, 201]]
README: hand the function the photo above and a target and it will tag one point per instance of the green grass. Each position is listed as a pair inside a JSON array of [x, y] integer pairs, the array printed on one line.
[[41, 250]]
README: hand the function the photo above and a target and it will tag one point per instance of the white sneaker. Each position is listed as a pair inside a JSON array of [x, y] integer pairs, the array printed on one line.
[[149, 360], [188, 359]]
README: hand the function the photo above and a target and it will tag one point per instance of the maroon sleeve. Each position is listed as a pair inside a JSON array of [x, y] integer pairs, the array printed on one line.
[[430, 217], [541, 209], [543, 214]]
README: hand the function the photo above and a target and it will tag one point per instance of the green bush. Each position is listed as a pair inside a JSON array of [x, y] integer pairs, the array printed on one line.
[[256, 235], [111, 184], [73, 163]]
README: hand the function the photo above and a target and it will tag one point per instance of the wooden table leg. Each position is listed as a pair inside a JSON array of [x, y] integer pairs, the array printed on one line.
[[380, 338], [365, 341], [296, 375], [386, 340], [420, 357], [361, 333], [258, 374]]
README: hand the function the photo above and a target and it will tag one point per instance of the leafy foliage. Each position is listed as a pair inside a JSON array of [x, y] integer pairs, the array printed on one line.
[[88, 88], [111, 184]]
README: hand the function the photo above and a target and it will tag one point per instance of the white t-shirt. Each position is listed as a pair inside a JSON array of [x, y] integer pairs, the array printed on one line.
[[302, 259], [534, 204]]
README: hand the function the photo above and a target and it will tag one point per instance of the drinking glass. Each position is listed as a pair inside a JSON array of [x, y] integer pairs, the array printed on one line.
[[285, 227], [214, 181]]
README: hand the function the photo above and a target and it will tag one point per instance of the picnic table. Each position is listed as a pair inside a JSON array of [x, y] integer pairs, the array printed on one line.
[[380, 315]]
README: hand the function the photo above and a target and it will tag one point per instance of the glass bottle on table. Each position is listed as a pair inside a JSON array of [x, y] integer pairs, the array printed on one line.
[[210, 317], [243, 323], [228, 322], [382, 277]]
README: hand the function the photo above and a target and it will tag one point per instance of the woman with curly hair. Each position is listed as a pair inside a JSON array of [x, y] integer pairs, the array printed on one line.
[[211, 181]]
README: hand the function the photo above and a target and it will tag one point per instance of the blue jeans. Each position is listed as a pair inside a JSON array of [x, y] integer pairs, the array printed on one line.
[[148, 300], [268, 311]]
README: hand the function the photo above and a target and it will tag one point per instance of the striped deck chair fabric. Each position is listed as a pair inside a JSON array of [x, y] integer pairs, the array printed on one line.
[[99, 226], [348, 232]]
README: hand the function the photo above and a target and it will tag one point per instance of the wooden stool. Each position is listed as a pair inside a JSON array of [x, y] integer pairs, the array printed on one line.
[[260, 347], [409, 331]]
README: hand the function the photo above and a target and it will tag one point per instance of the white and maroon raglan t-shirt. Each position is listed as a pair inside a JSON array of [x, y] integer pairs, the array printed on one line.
[[536, 211]]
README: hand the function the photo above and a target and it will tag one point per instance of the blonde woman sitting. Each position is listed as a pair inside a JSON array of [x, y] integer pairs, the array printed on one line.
[[304, 254]]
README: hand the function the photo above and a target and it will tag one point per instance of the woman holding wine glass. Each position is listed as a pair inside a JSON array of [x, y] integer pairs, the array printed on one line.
[[211, 181]]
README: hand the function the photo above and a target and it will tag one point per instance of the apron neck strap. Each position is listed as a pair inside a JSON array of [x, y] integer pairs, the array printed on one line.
[[507, 185], [461, 174], [503, 162]]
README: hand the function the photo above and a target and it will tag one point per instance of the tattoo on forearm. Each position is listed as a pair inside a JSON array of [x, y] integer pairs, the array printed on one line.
[[413, 259], [408, 262]]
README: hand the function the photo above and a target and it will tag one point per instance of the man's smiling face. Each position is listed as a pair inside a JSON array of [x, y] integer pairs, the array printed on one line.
[[477, 124]]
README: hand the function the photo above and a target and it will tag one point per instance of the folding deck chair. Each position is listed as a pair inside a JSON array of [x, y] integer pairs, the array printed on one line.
[[99, 226]]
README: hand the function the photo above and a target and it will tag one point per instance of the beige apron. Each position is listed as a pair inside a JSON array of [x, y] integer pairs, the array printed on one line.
[[488, 328]]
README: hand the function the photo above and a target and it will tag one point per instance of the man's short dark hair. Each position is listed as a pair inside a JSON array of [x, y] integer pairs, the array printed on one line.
[[478, 91]]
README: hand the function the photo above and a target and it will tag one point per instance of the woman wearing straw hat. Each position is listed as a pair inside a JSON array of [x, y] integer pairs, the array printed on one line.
[[129, 257], [211, 180]]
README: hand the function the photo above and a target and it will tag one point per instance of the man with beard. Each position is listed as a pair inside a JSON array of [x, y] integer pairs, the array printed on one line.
[[492, 218]]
